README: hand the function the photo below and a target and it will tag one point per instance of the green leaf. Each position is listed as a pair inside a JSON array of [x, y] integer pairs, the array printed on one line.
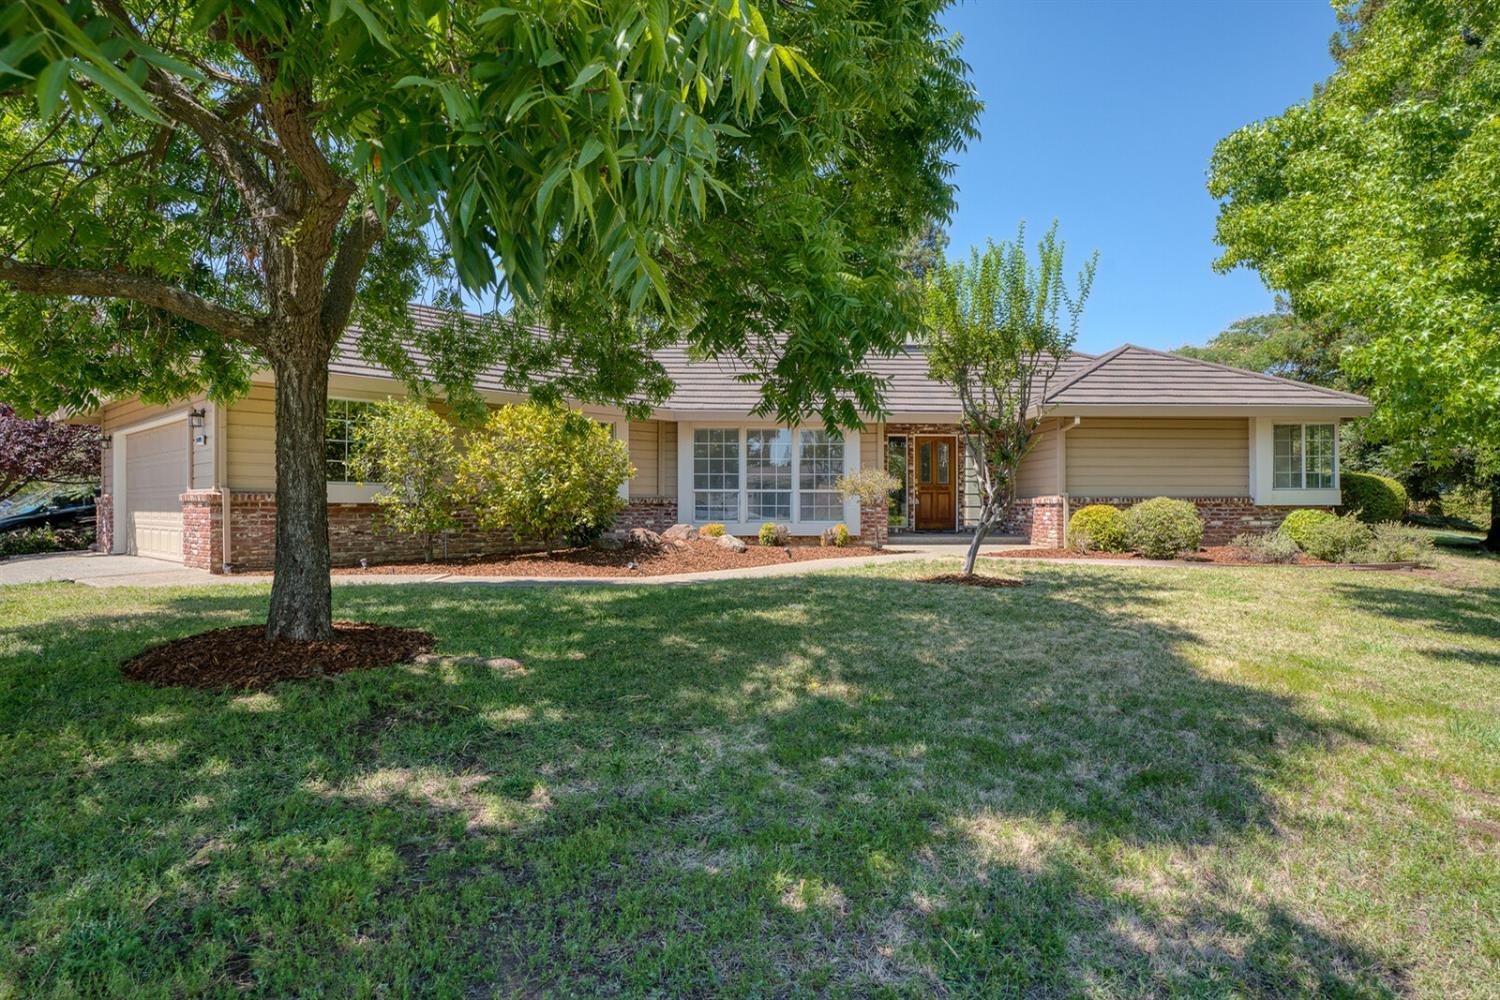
[[586, 74], [49, 84]]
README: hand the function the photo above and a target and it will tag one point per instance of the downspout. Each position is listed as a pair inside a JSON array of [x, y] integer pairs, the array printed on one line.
[[1062, 473], [221, 459]]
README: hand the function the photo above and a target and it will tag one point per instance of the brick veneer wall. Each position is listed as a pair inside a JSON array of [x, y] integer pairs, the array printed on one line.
[[104, 523], [1041, 518], [656, 513], [203, 529], [355, 532]]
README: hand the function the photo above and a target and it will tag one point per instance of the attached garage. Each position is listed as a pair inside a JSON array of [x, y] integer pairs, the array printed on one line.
[[156, 473]]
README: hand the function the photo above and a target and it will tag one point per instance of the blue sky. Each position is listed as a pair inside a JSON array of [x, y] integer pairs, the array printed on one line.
[[1102, 114]]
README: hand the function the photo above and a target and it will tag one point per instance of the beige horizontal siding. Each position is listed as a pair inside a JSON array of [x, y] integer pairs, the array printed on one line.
[[1141, 456], [653, 452], [126, 412], [1038, 474], [250, 441], [872, 447]]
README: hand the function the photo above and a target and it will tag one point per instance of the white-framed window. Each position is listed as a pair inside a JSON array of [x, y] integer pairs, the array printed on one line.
[[768, 474], [820, 464], [1304, 456], [716, 474], [338, 435]]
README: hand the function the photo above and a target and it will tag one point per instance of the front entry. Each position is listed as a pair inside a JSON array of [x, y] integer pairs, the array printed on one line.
[[937, 485]]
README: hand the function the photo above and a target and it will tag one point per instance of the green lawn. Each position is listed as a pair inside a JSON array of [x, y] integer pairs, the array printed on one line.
[[1111, 782]]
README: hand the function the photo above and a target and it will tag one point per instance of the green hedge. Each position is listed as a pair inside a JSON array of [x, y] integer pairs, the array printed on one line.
[[1299, 524], [1161, 528], [1372, 498], [1097, 528]]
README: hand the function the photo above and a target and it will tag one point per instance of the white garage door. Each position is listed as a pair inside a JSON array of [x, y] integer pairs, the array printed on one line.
[[155, 479]]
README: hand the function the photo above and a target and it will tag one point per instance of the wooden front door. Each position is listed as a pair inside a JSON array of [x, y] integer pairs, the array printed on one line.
[[937, 483]]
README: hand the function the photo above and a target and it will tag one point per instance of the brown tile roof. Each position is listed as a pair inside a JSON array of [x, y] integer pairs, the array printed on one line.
[[1128, 376]]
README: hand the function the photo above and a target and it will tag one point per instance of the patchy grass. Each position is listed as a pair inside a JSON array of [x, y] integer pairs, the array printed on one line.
[[1111, 782]]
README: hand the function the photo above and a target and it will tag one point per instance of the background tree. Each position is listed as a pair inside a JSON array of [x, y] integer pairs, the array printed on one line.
[[998, 329], [409, 449], [546, 473], [1280, 343], [1374, 205], [44, 451], [192, 190]]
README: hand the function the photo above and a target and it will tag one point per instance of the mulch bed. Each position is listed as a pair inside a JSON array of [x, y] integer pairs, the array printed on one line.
[[240, 657], [695, 557], [975, 580], [1224, 555]]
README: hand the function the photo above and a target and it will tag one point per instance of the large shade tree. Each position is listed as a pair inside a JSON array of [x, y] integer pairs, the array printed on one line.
[[1375, 206], [192, 190]]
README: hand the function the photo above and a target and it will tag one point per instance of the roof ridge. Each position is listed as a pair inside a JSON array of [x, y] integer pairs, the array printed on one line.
[[1092, 366], [1264, 376]]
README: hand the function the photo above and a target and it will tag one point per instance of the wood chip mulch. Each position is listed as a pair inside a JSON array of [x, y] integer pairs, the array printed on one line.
[[241, 658], [976, 580], [695, 557]]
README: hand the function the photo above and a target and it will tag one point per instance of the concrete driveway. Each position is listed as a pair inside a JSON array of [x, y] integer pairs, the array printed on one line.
[[99, 570]]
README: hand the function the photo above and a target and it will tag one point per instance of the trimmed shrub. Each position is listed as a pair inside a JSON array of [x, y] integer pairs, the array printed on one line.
[[1161, 528], [1394, 542], [544, 473], [713, 529], [1372, 498], [29, 541], [1097, 528], [837, 536], [774, 534], [1300, 523], [1339, 539], [1273, 548], [410, 450]]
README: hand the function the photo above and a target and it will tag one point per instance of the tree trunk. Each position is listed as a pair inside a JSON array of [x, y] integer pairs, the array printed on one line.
[[981, 531], [301, 595], [1492, 540]]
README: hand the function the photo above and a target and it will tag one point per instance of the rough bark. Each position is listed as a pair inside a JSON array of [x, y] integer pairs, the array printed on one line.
[[301, 595]]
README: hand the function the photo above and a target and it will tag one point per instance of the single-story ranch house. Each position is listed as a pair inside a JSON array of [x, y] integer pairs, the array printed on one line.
[[195, 482]]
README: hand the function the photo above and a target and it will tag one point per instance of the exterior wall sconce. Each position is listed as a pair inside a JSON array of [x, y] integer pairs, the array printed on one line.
[[106, 442], [195, 418]]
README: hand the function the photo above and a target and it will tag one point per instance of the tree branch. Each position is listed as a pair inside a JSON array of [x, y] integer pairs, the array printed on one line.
[[42, 279], [348, 264]]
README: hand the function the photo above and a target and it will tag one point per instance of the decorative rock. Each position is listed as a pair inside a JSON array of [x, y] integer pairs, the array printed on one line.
[[731, 543], [609, 543], [644, 538], [680, 533]]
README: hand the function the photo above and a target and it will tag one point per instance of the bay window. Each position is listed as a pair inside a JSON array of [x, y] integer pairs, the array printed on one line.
[[1304, 456], [716, 474], [821, 465], [747, 476]]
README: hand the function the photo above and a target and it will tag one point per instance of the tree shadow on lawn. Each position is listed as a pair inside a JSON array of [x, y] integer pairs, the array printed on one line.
[[1468, 614], [827, 783]]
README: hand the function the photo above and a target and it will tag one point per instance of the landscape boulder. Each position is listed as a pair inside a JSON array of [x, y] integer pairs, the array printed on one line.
[[611, 542], [644, 538], [731, 543], [679, 534]]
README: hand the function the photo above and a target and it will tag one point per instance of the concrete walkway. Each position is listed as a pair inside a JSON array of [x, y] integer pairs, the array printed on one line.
[[96, 570]]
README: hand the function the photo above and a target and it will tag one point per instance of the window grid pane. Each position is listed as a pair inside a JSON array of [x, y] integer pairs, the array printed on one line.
[[768, 474], [1286, 469], [821, 463], [338, 436], [716, 474], [1319, 456]]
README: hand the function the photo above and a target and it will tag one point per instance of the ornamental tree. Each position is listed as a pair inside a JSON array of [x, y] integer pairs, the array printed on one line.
[[192, 190], [1373, 206], [409, 449], [998, 330], [545, 473], [44, 451], [872, 486]]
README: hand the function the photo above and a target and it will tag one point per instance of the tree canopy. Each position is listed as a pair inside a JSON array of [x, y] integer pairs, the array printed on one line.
[[193, 190], [998, 329], [1375, 205], [1283, 344], [44, 451]]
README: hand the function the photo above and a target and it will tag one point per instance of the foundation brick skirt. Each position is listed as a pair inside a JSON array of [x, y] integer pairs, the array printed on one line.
[[104, 523], [1041, 519]]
